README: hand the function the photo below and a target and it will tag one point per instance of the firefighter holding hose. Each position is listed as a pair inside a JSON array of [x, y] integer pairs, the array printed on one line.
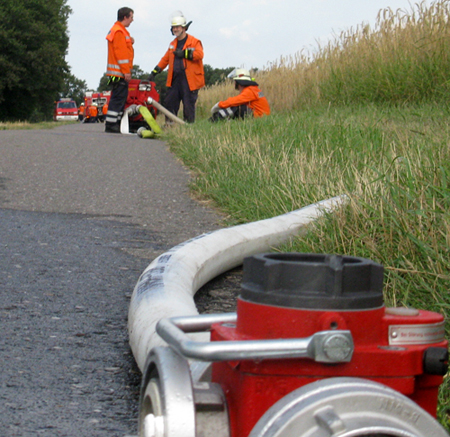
[[185, 75], [249, 102], [120, 64]]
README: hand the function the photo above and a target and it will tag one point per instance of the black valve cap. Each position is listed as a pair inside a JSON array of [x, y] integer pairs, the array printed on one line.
[[313, 281], [435, 361]]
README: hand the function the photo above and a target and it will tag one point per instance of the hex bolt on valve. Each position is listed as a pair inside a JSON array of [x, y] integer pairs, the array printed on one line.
[[311, 351], [337, 347]]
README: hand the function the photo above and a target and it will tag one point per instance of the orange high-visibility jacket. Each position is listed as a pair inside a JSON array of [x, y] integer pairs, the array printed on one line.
[[93, 111], [251, 96], [120, 51], [194, 69]]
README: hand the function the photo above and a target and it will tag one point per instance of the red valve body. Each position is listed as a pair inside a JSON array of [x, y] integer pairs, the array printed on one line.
[[251, 387]]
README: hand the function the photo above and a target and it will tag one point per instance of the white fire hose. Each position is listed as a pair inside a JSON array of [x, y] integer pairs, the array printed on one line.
[[148, 117], [176, 400], [167, 286]]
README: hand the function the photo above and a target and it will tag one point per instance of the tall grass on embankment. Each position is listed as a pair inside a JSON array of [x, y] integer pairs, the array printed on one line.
[[393, 163], [404, 58], [366, 116]]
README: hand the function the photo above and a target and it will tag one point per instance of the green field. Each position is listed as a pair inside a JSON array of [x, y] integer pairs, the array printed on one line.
[[366, 116]]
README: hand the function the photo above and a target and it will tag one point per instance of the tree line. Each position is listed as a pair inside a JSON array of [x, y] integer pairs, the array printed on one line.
[[34, 41], [34, 71]]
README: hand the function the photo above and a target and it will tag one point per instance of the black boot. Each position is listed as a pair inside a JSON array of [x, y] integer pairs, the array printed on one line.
[[112, 128]]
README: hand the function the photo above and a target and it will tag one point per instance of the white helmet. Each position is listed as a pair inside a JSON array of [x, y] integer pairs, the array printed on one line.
[[178, 19], [240, 74]]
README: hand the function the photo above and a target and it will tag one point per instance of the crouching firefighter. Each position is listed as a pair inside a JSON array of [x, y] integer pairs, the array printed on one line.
[[249, 102], [120, 64]]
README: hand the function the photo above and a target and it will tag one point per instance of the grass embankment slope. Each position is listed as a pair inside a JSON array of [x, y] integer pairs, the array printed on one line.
[[366, 115]]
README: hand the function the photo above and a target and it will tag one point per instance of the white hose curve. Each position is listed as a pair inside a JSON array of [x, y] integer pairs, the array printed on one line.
[[167, 286]]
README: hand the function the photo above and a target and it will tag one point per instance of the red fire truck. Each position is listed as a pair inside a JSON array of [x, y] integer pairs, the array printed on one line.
[[65, 109], [99, 99]]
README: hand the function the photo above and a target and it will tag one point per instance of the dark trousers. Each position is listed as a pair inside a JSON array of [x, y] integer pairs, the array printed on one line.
[[180, 92], [119, 94], [232, 112]]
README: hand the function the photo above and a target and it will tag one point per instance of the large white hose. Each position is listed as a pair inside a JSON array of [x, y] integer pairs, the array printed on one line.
[[167, 286], [146, 114]]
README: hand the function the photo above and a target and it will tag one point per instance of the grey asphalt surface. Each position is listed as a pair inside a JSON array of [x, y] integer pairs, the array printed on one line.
[[82, 213]]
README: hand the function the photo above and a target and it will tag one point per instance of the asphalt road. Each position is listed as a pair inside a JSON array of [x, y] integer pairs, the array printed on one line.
[[82, 213]]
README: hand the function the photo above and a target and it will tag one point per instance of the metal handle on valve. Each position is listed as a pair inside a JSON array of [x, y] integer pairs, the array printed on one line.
[[335, 346]]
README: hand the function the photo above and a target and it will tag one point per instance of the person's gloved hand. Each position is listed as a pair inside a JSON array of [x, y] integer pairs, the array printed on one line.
[[215, 108], [189, 54], [184, 54], [156, 70]]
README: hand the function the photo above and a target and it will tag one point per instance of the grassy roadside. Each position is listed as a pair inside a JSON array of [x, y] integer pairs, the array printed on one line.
[[393, 162], [25, 125]]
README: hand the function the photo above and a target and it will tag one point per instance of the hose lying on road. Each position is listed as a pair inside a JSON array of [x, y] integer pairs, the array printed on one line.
[[167, 286], [146, 115]]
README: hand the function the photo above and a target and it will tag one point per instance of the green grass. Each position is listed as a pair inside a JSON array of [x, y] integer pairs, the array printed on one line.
[[392, 161], [27, 125]]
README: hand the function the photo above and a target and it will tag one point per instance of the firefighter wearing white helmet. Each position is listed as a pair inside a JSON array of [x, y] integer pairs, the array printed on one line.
[[185, 75], [240, 74], [178, 20], [81, 110], [250, 101]]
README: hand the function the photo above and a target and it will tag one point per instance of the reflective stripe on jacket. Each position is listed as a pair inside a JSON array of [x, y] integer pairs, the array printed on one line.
[[251, 96], [193, 68], [120, 51]]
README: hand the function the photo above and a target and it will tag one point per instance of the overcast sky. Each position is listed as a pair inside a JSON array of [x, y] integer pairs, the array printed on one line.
[[234, 33]]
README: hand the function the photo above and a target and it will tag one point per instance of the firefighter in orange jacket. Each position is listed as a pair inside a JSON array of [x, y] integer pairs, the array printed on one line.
[[249, 101], [93, 113], [120, 64], [185, 75], [81, 111]]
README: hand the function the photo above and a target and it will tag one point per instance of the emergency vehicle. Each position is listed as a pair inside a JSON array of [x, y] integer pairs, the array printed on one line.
[[138, 93], [65, 109], [98, 98]]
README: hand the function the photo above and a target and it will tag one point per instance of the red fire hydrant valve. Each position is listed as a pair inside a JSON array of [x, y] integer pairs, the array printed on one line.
[[311, 351], [288, 296]]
